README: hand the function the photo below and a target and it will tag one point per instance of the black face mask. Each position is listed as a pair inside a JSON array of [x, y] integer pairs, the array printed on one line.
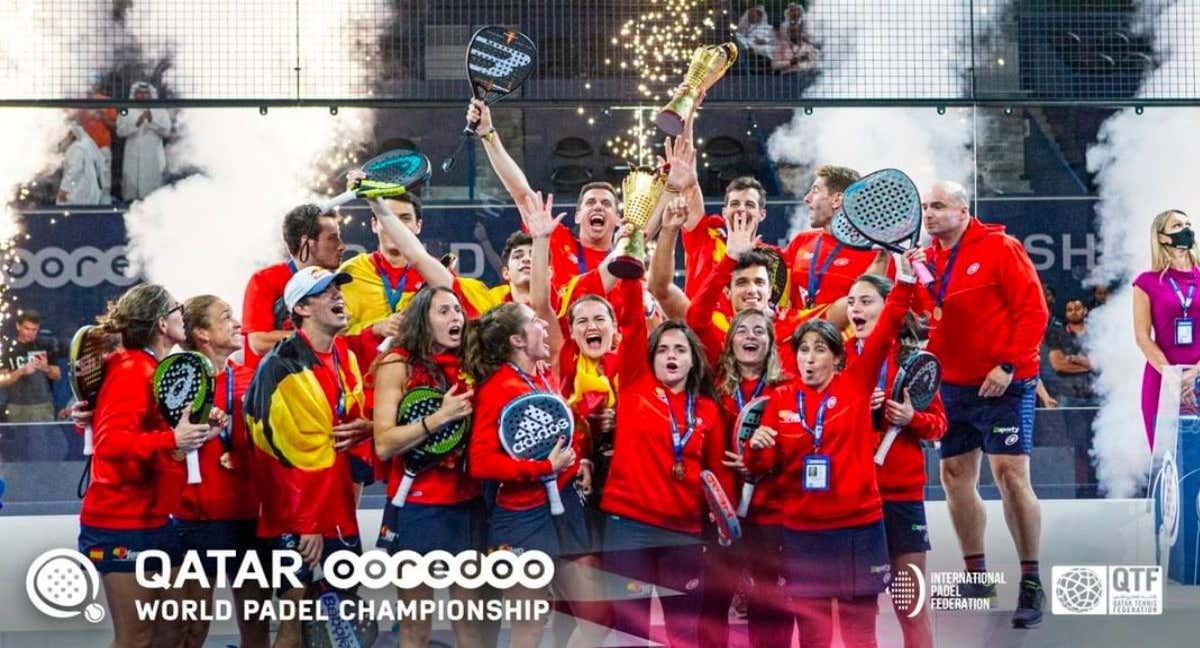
[[1184, 239]]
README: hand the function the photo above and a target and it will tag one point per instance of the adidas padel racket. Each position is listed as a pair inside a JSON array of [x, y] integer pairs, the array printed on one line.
[[184, 379], [530, 426], [85, 370], [728, 527], [921, 374], [390, 174], [885, 208], [747, 422], [418, 403], [498, 62]]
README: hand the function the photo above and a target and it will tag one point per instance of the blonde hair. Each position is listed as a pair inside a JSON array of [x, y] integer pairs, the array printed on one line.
[[729, 372], [1160, 258]]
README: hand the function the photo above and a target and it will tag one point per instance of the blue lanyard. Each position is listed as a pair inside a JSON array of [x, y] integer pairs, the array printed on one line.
[[227, 431], [816, 276], [393, 294], [1185, 302], [579, 256], [858, 345], [944, 280], [528, 381], [819, 430], [677, 442], [292, 266], [337, 380], [758, 389]]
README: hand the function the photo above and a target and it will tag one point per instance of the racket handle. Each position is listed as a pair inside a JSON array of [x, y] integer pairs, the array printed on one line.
[[886, 444], [193, 467], [402, 492], [470, 129], [923, 273], [556, 505], [387, 342], [88, 447], [448, 163], [747, 495], [337, 201]]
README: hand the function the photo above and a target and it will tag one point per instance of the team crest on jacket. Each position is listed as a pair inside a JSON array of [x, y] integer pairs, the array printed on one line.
[[831, 403], [973, 268], [788, 416], [843, 261]]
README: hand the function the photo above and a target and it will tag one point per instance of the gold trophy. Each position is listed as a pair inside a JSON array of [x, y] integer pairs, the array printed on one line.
[[709, 64], [641, 190]]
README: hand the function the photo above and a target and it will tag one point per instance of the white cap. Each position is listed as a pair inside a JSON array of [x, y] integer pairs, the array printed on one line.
[[310, 281]]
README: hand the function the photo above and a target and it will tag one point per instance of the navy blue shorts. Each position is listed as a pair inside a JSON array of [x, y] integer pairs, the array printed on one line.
[[236, 535], [907, 531], [426, 527], [116, 550], [625, 534], [567, 535], [361, 472], [839, 563], [290, 541], [1002, 425]]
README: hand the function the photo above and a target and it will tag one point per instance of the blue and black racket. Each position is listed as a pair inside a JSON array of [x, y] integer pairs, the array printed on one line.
[[390, 174]]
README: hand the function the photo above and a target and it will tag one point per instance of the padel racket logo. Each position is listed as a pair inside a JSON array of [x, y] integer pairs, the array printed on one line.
[[61, 582]]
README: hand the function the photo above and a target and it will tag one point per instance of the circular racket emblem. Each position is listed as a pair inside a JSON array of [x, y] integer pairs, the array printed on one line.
[[182, 389], [60, 582], [1168, 503]]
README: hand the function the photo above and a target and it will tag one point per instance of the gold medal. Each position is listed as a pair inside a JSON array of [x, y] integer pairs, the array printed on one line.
[[937, 313], [178, 455], [227, 461], [678, 471]]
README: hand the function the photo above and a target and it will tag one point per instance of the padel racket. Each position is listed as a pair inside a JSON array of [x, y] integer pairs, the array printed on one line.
[[747, 422], [844, 233], [418, 403], [885, 208], [184, 379], [530, 426], [331, 629], [921, 374], [728, 527], [389, 174], [85, 370], [778, 274], [498, 62]]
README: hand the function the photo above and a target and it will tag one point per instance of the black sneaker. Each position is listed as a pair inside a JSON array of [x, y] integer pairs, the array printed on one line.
[[1029, 604], [977, 590]]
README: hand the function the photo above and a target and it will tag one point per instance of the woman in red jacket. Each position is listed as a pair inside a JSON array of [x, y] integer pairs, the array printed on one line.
[[817, 432], [588, 362], [137, 473], [901, 478], [221, 512], [444, 508], [669, 428], [749, 365]]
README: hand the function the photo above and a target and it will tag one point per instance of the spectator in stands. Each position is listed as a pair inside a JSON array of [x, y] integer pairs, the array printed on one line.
[[755, 32], [1047, 388], [792, 52], [1099, 296], [82, 167], [144, 130], [30, 370], [1072, 366], [100, 124]]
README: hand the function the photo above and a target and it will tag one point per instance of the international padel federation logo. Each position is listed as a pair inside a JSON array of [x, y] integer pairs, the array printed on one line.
[[908, 590], [63, 583]]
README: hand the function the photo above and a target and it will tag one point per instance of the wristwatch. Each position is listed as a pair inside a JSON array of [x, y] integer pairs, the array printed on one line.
[[1007, 367]]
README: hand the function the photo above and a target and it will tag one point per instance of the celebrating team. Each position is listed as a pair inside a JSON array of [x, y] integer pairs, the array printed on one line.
[[655, 377]]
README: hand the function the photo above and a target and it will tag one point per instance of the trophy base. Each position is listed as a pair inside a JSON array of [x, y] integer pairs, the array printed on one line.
[[627, 267], [669, 122]]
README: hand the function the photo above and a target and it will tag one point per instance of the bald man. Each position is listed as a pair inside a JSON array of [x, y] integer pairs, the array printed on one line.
[[986, 319]]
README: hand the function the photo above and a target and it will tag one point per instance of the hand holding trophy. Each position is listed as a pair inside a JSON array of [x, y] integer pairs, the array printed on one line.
[[640, 192], [709, 64]]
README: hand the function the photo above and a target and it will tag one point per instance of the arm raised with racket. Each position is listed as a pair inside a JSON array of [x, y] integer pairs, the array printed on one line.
[[387, 175], [506, 168]]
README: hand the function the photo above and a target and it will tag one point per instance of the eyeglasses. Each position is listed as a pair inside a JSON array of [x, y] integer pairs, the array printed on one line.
[[177, 307]]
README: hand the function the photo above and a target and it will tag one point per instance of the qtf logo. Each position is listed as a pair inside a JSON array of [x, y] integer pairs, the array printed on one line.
[[908, 590], [61, 582]]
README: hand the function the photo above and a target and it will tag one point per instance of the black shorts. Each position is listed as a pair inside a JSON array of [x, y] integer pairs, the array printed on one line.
[[116, 550], [361, 472], [1002, 425], [907, 531], [428, 527], [838, 563], [568, 535], [235, 535]]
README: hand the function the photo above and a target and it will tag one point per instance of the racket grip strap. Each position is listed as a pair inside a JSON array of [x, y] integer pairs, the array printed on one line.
[[193, 466], [747, 495], [89, 447], [337, 201], [556, 505], [402, 492], [387, 342], [886, 444]]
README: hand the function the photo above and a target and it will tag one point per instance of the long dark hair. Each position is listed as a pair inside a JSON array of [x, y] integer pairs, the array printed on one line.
[[727, 364], [912, 329], [416, 337], [485, 342], [699, 379]]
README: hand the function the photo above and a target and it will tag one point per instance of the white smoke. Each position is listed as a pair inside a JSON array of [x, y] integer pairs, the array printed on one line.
[[210, 232], [879, 49], [1144, 164]]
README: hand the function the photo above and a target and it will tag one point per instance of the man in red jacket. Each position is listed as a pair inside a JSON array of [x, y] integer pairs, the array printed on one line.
[[986, 318]]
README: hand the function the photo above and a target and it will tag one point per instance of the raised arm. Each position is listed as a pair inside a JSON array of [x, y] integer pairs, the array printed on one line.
[[511, 175], [537, 216], [662, 262], [864, 371], [682, 181], [434, 273]]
